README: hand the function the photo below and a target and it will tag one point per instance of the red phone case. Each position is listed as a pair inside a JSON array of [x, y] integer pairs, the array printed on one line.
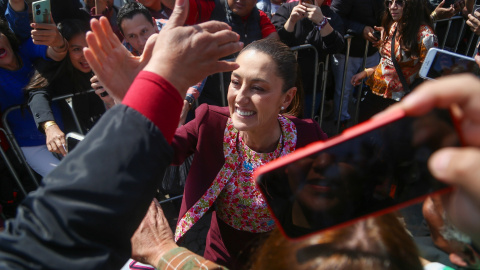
[[348, 134]]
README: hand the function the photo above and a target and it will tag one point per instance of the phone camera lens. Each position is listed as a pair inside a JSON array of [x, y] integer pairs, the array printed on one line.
[[37, 7], [38, 12]]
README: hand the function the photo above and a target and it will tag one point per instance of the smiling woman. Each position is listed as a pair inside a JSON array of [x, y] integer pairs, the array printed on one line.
[[72, 75], [230, 143]]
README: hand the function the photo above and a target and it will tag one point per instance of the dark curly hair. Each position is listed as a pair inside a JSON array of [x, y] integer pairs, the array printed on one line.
[[415, 14]]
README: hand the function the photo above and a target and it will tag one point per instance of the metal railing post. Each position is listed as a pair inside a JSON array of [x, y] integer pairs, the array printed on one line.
[[323, 89], [348, 38], [10, 167], [13, 143], [360, 87], [304, 47]]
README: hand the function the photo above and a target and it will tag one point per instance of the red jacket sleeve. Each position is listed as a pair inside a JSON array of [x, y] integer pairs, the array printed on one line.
[[266, 25], [199, 11], [158, 100]]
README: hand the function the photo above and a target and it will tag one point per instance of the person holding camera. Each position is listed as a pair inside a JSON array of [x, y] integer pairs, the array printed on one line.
[[16, 66], [407, 35], [359, 18], [310, 22]]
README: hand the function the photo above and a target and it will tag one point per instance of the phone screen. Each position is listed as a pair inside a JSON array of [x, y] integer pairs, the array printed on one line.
[[72, 143], [446, 64], [376, 172]]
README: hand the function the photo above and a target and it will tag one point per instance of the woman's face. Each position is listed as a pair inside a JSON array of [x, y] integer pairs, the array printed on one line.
[[7, 56], [395, 8], [75, 50], [255, 94]]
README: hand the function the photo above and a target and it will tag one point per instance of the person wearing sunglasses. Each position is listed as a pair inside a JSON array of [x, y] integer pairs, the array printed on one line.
[[406, 36]]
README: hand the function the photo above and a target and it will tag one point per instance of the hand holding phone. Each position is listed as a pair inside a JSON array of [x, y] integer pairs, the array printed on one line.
[[440, 63], [41, 11], [371, 169]]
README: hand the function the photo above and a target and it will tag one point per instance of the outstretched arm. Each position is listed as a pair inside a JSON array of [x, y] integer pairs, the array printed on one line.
[[82, 217]]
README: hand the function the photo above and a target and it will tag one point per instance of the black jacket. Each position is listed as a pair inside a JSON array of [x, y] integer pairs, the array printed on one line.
[[84, 213], [357, 14], [305, 32], [87, 106]]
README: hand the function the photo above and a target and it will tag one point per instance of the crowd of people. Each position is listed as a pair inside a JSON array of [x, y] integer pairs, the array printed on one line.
[[149, 62]]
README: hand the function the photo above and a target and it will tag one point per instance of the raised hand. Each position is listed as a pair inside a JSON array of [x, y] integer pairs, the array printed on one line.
[[114, 66], [47, 34], [185, 55], [314, 13]]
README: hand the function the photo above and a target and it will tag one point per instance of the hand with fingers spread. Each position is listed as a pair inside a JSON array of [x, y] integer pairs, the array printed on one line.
[[456, 166], [193, 50], [115, 67], [55, 140]]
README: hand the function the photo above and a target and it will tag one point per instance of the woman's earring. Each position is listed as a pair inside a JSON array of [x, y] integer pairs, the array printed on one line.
[[282, 108]]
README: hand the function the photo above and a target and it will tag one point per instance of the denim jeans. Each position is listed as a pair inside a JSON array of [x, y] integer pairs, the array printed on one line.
[[354, 67]]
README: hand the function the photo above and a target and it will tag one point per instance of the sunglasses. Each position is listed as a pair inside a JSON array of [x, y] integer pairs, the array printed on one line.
[[389, 3]]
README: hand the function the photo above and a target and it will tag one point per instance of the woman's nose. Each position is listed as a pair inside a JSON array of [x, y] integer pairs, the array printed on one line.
[[242, 96]]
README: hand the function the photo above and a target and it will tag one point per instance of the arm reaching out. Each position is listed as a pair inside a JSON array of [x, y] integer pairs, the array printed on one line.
[[175, 48]]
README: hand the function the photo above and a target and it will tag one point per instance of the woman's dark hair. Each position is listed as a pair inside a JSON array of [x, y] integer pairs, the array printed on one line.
[[5, 29], [375, 243], [48, 71], [415, 14], [287, 69]]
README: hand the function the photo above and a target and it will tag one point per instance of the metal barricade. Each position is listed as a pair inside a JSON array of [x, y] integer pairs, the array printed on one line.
[[306, 47], [460, 35], [13, 142], [11, 168]]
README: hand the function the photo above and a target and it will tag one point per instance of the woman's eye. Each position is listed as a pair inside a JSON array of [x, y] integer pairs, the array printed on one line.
[[257, 88], [235, 82]]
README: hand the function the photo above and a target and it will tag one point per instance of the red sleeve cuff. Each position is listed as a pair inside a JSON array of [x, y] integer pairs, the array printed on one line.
[[266, 25], [158, 100]]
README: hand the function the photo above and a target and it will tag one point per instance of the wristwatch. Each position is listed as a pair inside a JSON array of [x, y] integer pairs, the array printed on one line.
[[190, 99], [322, 23]]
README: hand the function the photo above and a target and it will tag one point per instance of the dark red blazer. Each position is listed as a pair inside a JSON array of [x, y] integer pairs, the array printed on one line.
[[203, 136]]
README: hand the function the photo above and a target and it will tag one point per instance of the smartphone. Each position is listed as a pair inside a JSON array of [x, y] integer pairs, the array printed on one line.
[[440, 62], [371, 169], [41, 11], [377, 34], [73, 139]]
